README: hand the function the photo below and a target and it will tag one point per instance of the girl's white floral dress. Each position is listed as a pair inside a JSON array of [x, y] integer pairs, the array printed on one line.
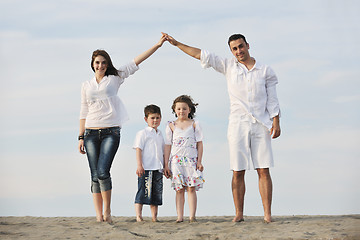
[[183, 156]]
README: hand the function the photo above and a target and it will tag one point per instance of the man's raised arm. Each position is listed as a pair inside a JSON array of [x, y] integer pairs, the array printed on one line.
[[191, 51]]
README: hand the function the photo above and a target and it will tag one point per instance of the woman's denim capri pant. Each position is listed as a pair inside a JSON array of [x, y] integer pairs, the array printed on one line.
[[101, 146]]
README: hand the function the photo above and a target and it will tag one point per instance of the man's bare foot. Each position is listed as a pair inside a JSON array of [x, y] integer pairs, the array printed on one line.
[[267, 220], [238, 219]]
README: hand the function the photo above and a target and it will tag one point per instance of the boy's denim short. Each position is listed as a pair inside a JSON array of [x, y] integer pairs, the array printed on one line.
[[150, 188]]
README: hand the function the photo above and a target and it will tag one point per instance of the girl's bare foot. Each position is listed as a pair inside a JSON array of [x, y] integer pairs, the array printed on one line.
[[99, 219], [192, 220], [108, 219]]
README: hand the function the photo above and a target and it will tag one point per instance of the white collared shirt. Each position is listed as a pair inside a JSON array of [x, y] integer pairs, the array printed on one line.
[[100, 105], [252, 92], [152, 144]]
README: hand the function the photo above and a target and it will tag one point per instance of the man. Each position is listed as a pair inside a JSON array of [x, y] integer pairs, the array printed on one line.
[[254, 116]]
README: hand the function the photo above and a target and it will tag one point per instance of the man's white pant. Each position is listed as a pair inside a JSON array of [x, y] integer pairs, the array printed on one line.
[[249, 140]]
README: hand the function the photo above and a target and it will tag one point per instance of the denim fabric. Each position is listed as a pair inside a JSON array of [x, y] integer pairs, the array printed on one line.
[[101, 146], [150, 188]]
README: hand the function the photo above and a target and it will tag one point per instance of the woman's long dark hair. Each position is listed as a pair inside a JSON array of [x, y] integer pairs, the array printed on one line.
[[111, 70]]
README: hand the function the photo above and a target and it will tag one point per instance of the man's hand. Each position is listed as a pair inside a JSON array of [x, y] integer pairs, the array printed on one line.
[[275, 130], [170, 39]]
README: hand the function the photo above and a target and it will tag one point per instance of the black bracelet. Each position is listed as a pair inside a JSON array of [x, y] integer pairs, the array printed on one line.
[[81, 137]]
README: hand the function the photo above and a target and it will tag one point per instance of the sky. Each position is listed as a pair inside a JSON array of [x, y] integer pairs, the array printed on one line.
[[45, 51]]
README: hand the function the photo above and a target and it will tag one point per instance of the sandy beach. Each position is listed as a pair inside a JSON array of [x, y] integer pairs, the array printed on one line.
[[217, 227]]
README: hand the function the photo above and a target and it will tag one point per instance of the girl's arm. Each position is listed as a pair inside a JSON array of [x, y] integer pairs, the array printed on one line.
[[142, 57], [167, 150], [200, 148], [81, 146], [140, 169]]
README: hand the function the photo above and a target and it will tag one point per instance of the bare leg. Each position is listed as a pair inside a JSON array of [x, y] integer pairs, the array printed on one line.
[[98, 203], [265, 188], [238, 190], [154, 212], [192, 199], [138, 211], [107, 201], [180, 201]]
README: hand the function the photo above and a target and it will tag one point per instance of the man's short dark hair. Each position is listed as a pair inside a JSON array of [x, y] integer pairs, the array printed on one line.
[[151, 109], [236, 37]]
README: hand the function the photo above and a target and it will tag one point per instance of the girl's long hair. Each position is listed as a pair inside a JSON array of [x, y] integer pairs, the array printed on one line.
[[189, 101]]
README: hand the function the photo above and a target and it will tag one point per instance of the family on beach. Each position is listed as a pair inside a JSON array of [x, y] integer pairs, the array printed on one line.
[[253, 121]]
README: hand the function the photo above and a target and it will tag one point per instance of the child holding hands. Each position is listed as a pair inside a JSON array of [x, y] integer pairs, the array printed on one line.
[[149, 146], [183, 154]]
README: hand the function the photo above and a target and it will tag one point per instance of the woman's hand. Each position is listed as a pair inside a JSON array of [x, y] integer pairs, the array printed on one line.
[[170, 39], [81, 146]]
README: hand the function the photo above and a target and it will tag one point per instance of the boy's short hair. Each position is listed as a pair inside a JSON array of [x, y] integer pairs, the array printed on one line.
[[151, 109], [236, 37]]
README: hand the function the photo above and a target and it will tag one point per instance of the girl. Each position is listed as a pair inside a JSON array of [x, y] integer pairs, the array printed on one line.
[[183, 155], [101, 116]]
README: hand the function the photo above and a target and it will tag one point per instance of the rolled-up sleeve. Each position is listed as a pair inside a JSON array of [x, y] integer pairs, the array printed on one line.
[[84, 109], [128, 69], [272, 104], [208, 59]]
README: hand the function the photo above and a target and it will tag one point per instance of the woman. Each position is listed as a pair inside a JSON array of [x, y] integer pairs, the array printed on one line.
[[101, 117]]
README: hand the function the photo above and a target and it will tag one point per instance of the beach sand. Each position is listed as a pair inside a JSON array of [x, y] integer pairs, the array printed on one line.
[[216, 227]]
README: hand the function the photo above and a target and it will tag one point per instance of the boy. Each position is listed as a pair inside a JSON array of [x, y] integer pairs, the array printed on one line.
[[149, 146]]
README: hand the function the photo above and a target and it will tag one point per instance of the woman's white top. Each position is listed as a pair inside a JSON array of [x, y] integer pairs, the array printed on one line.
[[100, 105]]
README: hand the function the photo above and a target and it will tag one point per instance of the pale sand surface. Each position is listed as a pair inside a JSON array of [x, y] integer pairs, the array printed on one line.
[[217, 227]]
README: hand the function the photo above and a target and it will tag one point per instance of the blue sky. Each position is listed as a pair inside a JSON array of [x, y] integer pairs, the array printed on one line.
[[45, 50]]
